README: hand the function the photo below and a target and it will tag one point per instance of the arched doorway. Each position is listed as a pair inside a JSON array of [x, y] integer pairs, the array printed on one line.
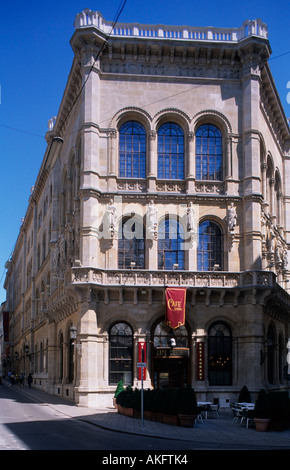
[[171, 356]]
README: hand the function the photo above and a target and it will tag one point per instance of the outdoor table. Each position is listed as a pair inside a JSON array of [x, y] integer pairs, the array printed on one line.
[[248, 406], [205, 405]]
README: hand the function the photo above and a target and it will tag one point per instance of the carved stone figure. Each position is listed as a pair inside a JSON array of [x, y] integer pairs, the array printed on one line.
[[152, 219], [232, 217], [110, 219], [190, 219]]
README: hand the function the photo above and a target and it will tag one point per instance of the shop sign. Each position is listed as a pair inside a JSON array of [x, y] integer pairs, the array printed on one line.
[[141, 359], [171, 352], [200, 360]]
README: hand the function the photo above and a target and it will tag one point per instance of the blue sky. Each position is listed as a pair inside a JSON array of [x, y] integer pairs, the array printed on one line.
[[35, 60]]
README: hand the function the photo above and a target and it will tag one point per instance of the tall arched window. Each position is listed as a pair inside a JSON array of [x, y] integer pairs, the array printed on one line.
[[170, 151], [281, 352], [277, 189], [132, 150], [170, 240], [121, 354], [61, 349], [131, 245], [271, 347], [210, 246], [208, 153], [219, 355], [71, 351]]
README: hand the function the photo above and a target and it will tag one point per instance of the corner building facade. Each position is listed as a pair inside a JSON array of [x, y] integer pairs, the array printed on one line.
[[167, 166]]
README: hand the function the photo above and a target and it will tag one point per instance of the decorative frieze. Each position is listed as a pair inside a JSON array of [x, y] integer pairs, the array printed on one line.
[[210, 187], [164, 278], [171, 69]]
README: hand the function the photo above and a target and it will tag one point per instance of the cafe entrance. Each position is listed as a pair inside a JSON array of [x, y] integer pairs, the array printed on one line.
[[171, 357]]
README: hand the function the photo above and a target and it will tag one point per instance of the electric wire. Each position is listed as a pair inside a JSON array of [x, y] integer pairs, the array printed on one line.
[[121, 8]]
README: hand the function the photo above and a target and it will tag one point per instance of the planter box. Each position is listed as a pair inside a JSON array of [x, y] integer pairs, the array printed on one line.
[[137, 414], [261, 424], [129, 412], [277, 425], [170, 419], [158, 417], [186, 421], [148, 415]]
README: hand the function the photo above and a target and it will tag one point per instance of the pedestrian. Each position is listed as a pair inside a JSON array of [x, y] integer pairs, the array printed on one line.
[[21, 379], [12, 378], [29, 380]]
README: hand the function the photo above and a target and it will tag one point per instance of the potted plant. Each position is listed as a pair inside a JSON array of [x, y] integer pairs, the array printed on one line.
[[170, 407], [244, 396], [187, 407], [279, 404], [262, 411], [119, 389]]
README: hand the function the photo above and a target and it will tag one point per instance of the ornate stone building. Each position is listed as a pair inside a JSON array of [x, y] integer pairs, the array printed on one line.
[[167, 165]]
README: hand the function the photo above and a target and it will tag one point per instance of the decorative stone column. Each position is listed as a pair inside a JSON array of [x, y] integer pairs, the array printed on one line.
[[113, 160], [87, 351], [152, 163], [190, 164], [252, 169]]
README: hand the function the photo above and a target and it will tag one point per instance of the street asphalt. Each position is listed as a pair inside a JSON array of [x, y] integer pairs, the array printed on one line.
[[213, 433]]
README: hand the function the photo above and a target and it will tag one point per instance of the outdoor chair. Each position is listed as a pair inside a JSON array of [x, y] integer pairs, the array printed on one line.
[[248, 416], [215, 409], [199, 414], [238, 414]]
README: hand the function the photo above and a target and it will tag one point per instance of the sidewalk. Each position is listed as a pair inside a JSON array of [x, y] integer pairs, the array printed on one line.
[[214, 433]]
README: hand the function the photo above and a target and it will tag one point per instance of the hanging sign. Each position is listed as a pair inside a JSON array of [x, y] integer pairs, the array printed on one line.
[[175, 306], [200, 360], [141, 360]]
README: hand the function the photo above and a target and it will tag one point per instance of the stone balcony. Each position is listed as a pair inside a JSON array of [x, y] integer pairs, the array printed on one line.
[[88, 18], [144, 278]]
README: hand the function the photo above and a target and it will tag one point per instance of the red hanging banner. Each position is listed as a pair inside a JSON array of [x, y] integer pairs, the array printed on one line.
[[141, 359], [175, 306]]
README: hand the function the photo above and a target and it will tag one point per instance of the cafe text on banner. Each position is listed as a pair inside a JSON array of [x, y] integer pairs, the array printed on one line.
[[175, 306]]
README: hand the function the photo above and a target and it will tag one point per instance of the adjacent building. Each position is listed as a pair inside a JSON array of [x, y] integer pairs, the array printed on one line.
[[167, 166]]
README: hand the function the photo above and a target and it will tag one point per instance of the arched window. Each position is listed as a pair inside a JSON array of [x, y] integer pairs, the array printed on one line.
[[277, 189], [210, 246], [36, 359], [170, 151], [208, 153], [121, 354], [61, 348], [132, 150], [271, 340], [281, 351], [163, 333], [131, 245], [219, 355], [71, 350], [41, 358], [170, 240]]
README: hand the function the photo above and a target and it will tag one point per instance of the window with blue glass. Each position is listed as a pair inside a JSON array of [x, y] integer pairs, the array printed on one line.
[[170, 151], [132, 150], [210, 246], [131, 245], [170, 244], [208, 153]]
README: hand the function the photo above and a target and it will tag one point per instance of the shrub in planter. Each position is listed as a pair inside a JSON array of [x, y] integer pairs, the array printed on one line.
[[187, 407], [119, 389], [279, 410], [262, 411], [244, 396], [187, 401]]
